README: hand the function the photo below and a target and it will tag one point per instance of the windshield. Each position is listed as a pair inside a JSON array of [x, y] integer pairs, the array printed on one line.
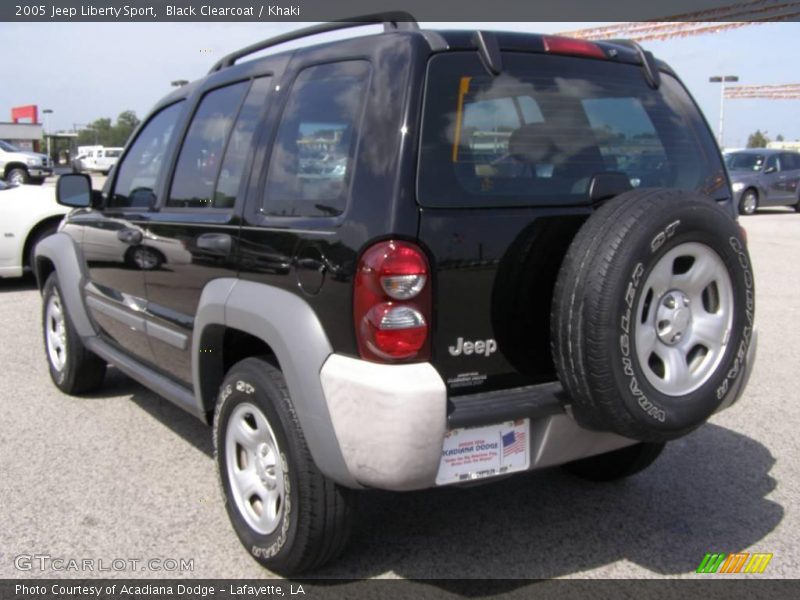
[[540, 131], [8, 147], [744, 161]]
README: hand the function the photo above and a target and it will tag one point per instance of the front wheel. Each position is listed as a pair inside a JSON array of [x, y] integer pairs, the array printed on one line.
[[289, 516], [73, 368], [17, 176], [617, 464], [749, 203]]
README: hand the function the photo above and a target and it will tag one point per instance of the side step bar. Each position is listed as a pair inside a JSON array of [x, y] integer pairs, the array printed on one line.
[[533, 402], [160, 384]]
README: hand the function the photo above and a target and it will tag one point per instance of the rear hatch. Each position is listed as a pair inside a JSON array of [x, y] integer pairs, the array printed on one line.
[[505, 169]]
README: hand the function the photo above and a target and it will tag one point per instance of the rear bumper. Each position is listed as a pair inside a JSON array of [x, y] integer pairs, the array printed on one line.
[[391, 420]]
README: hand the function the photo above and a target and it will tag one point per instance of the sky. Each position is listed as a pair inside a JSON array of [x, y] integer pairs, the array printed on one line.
[[84, 71]]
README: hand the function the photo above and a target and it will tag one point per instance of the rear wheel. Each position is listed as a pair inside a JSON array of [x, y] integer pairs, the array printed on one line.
[[617, 464], [289, 516], [749, 202], [73, 368]]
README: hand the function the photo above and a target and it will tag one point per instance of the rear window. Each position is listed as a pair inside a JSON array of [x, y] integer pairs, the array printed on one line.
[[539, 132]]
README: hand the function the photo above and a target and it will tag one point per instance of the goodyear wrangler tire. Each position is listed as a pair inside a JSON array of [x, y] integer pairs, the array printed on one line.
[[285, 512], [652, 314]]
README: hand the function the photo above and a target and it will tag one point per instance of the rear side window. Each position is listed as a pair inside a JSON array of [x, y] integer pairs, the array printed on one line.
[[539, 132], [201, 153], [139, 170], [313, 155]]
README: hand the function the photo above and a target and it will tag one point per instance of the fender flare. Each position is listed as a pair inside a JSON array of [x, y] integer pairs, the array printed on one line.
[[61, 251], [301, 347]]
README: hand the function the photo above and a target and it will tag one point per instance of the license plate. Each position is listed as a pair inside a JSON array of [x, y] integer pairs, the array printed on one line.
[[477, 452]]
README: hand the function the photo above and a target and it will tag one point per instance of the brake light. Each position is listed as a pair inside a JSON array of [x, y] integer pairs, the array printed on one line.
[[392, 303], [563, 45]]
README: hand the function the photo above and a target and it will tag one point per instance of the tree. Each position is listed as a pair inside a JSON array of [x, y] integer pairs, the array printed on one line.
[[757, 140], [127, 121], [102, 133], [779, 138]]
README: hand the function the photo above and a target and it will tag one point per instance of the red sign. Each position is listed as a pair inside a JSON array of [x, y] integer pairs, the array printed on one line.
[[25, 112]]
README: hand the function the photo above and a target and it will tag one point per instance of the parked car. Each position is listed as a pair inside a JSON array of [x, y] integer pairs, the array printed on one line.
[[28, 214], [117, 241], [764, 177], [418, 260], [20, 166]]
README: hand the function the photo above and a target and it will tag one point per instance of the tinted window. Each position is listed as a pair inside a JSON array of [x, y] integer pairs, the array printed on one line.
[[627, 139], [790, 162], [139, 171], [312, 157], [201, 153], [744, 161], [540, 131], [772, 162], [236, 153]]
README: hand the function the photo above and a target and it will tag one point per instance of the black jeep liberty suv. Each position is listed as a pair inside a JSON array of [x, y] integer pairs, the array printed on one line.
[[408, 260]]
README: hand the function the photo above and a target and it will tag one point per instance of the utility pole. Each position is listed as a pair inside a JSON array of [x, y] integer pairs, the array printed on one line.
[[722, 80], [47, 112]]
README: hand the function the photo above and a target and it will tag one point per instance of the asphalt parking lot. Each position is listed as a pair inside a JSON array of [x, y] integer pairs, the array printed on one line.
[[122, 474]]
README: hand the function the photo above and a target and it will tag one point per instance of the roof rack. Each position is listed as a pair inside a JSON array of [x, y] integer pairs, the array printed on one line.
[[392, 21]]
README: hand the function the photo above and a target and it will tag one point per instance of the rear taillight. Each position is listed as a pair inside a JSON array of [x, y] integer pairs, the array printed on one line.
[[564, 45], [392, 303]]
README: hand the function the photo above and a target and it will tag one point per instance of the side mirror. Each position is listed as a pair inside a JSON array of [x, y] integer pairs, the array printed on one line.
[[75, 190], [769, 170]]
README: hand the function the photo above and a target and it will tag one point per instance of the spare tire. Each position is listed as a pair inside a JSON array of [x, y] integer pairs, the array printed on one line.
[[652, 314]]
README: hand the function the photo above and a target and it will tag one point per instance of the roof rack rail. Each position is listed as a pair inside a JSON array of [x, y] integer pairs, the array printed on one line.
[[648, 61], [392, 21]]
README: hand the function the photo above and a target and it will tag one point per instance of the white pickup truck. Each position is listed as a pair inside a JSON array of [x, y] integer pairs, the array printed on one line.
[[19, 166]]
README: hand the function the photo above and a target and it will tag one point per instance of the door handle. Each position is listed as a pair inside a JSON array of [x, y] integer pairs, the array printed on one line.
[[215, 242], [130, 236]]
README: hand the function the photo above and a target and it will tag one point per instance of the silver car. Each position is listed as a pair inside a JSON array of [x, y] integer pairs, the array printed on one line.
[[764, 177]]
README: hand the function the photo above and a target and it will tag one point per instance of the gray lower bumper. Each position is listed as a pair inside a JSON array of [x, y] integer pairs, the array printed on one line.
[[39, 172]]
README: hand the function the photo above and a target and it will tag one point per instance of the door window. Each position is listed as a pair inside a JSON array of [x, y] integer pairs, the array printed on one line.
[[772, 163], [200, 156], [138, 172], [789, 162], [240, 143]]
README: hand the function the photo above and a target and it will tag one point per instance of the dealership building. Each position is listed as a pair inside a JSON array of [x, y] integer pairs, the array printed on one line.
[[25, 136]]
